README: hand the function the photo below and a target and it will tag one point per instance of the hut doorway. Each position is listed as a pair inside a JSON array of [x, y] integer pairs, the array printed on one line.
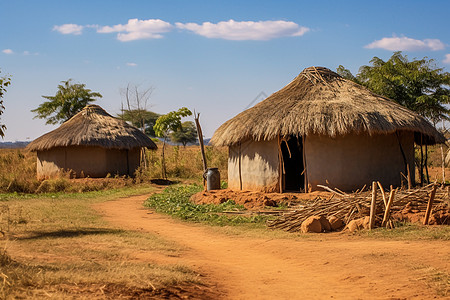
[[293, 165]]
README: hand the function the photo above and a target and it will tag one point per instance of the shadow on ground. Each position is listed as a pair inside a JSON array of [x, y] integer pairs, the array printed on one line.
[[68, 233]]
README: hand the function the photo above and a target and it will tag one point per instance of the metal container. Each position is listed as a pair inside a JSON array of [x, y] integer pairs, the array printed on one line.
[[212, 179]]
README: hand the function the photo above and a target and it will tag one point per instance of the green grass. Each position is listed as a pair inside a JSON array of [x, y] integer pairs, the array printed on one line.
[[174, 201]]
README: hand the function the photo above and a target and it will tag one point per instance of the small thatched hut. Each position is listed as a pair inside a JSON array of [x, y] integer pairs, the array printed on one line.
[[92, 143], [322, 129]]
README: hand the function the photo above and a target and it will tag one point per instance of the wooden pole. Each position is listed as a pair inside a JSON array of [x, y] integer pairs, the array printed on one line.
[[202, 147], [373, 206], [409, 177], [382, 193], [240, 167], [388, 207], [443, 165], [429, 205]]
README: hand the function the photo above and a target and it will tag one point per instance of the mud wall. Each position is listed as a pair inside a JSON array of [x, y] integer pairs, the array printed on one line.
[[349, 162], [87, 161], [258, 166]]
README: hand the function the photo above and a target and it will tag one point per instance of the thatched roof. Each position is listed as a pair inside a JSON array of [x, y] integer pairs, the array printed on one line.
[[319, 101], [93, 126]]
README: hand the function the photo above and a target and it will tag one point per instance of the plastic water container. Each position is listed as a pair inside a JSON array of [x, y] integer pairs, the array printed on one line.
[[212, 179]]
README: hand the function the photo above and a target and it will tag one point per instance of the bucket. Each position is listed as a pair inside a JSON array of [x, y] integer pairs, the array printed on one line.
[[212, 179]]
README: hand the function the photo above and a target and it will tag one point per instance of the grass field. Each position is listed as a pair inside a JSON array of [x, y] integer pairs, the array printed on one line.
[[18, 171], [56, 245]]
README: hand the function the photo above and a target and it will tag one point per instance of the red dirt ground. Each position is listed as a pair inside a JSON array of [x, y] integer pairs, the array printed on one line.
[[318, 266], [254, 200]]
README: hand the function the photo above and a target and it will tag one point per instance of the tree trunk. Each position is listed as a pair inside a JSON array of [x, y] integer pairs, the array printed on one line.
[[421, 161], [443, 163], [426, 163], [163, 162]]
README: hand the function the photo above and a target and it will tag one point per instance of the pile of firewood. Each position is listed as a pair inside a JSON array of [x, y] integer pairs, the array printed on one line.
[[357, 205]]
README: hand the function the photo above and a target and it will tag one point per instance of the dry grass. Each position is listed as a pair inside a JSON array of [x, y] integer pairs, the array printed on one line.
[[53, 245], [18, 171], [186, 162], [320, 102]]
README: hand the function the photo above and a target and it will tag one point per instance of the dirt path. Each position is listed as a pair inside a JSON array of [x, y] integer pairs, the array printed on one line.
[[325, 266]]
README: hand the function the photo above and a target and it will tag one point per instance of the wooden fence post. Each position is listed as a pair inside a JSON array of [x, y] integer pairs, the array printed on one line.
[[388, 207], [373, 206], [429, 205]]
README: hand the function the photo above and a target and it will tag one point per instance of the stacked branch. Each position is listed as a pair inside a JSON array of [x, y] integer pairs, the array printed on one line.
[[353, 206]]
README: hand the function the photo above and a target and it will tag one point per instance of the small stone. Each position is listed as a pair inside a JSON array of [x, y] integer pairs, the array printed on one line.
[[311, 224], [326, 226], [336, 223]]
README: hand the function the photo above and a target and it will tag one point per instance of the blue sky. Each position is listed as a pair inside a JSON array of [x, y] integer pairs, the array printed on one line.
[[214, 57]]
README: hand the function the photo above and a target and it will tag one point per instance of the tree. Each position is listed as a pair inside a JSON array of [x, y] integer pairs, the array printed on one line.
[[137, 118], [187, 133], [136, 111], [70, 99], [418, 85], [4, 83], [166, 124]]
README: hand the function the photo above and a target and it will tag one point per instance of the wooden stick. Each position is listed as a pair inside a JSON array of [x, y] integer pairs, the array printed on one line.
[[409, 177], [382, 193], [388, 207], [373, 206], [330, 190], [429, 205], [200, 140]]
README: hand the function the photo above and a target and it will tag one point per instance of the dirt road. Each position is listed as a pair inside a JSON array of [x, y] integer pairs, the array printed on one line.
[[327, 266]]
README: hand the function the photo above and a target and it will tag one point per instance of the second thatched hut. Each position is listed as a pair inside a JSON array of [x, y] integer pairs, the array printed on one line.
[[90, 144], [322, 129]]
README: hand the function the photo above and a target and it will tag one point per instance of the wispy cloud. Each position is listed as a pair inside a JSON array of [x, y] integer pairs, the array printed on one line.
[[8, 51], [447, 59], [138, 29], [69, 29], [131, 64], [245, 30], [406, 44]]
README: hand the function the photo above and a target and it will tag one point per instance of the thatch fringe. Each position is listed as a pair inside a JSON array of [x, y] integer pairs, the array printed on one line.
[[319, 101], [93, 126]]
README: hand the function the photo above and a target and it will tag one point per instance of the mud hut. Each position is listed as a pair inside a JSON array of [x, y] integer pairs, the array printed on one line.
[[92, 143], [322, 129]]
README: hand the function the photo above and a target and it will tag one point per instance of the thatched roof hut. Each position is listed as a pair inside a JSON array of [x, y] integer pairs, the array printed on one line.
[[333, 124], [92, 143]]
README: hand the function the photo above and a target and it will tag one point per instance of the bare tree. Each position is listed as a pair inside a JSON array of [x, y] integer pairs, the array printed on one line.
[[136, 111], [136, 100]]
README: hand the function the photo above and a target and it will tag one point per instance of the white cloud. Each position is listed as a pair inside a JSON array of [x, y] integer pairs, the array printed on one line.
[[406, 44], [138, 29], [447, 59], [246, 30], [131, 64], [8, 51], [69, 29]]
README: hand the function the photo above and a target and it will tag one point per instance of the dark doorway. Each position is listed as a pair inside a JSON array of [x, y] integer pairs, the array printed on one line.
[[293, 175]]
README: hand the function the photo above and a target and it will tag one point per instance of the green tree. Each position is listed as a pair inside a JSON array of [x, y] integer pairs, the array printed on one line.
[[164, 125], [187, 133], [70, 99], [143, 119], [418, 84], [4, 83]]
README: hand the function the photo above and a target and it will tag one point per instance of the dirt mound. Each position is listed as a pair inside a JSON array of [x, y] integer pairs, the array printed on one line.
[[254, 200], [416, 214]]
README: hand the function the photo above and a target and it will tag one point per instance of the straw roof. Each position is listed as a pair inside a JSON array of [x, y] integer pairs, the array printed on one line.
[[319, 101], [93, 126]]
